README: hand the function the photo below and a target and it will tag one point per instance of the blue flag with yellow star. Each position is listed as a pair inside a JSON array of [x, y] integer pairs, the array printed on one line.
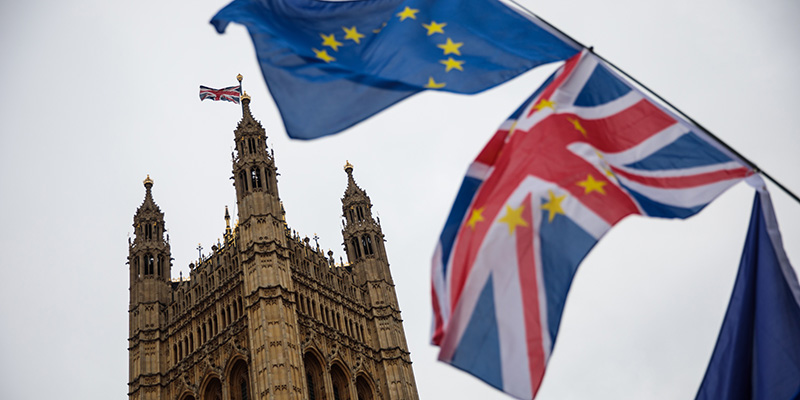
[[330, 65]]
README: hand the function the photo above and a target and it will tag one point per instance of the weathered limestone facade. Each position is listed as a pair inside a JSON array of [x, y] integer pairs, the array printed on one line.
[[266, 315]]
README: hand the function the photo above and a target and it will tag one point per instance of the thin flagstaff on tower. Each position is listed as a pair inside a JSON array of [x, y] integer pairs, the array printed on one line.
[[744, 159]]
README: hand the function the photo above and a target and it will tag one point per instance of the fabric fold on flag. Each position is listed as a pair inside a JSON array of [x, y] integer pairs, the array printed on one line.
[[585, 151], [757, 355], [230, 93], [330, 65]]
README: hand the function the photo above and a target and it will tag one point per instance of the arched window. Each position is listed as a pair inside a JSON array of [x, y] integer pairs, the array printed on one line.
[[224, 320], [148, 264], [366, 242], [216, 327], [174, 354], [364, 388], [314, 379], [360, 213], [255, 177], [352, 216], [356, 247], [148, 232], [213, 390], [191, 341], [238, 379], [199, 343], [243, 180], [251, 145], [341, 384], [240, 306]]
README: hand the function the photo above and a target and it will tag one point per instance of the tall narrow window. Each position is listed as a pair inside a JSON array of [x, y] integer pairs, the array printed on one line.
[[251, 145], [243, 180], [356, 247], [267, 178], [360, 213], [255, 177], [148, 266], [366, 242]]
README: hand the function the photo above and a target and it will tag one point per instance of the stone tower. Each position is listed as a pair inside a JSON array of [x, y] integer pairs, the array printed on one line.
[[150, 293], [266, 315], [363, 241]]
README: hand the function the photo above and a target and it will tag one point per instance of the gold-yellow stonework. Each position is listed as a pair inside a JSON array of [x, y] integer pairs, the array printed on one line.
[[264, 314]]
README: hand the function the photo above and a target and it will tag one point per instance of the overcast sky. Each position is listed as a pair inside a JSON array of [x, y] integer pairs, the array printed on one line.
[[101, 93]]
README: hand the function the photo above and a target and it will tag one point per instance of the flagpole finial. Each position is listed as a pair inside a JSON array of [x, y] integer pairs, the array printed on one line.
[[239, 78]]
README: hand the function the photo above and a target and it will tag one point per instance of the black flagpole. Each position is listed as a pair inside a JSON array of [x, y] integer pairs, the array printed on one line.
[[670, 105]]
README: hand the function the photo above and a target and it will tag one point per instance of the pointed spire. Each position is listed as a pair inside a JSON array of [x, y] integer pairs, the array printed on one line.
[[148, 203], [227, 223], [352, 186]]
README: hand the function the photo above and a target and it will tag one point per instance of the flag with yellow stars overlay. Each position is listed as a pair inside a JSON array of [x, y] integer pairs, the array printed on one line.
[[586, 150], [330, 65]]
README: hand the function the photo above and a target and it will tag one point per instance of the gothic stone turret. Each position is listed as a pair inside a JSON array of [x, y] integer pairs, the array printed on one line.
[[266, 315], [150, 294]]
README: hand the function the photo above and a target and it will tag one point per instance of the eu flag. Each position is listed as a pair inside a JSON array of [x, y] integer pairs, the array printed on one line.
[[757, 355], [330, 65]]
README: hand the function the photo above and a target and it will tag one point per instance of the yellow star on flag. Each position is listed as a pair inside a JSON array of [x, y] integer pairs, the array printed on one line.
[[554, 205], [591, 185], [408, 13], [330, 41], [352, 34], [323, 55], [577, 124], [433, 84], [434, 27], [513, 218], [451, 48], [545, 103], [450, 64], [477, 216]]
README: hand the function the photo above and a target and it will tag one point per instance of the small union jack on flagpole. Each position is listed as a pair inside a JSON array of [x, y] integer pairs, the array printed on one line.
[[230, 93]]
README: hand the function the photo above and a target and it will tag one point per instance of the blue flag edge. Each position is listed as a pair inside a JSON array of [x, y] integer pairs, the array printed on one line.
[[722, 379]]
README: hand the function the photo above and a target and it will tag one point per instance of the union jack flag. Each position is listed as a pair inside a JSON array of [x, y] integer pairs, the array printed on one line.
[[231, 93], [583, 152]]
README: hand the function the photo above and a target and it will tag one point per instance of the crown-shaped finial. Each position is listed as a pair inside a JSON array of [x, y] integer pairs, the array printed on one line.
[[348, 167], [148, 183]]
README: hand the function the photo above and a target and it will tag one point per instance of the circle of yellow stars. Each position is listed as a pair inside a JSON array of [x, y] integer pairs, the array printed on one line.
[[330, 44]]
